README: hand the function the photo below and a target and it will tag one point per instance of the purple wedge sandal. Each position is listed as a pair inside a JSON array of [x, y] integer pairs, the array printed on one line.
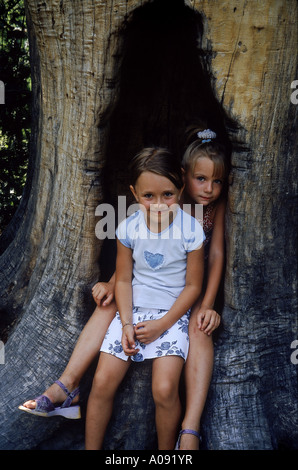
[[44, 406]]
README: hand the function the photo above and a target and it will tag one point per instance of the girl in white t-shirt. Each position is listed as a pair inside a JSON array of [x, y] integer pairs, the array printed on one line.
[[205, 175], [159, 274]]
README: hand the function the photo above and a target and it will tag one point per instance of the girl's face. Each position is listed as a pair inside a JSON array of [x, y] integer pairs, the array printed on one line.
[[156, 194], [201, 185]]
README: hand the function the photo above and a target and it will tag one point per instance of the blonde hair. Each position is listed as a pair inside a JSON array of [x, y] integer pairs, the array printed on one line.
[[211, 149]]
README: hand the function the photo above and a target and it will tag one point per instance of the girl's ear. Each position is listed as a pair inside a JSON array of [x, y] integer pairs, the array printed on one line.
[[133, 192]]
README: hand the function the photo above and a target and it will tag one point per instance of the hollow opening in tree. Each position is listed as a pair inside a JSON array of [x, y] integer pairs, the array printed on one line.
[[164, 87]]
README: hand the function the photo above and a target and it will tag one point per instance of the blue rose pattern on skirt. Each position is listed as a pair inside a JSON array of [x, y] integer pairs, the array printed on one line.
[[173, 342]]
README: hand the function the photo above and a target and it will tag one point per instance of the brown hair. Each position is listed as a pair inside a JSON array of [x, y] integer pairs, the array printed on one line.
[[158, 160]]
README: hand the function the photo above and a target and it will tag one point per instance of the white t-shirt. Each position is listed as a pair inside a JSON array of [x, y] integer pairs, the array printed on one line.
[[159, 267]]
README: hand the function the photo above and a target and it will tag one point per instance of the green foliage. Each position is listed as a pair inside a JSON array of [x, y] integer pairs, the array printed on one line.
[[15, 113]]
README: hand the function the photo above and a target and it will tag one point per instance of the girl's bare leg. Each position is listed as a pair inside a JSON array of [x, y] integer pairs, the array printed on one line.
[[198, 373], [108, 376], [166, 372], [85, 351]]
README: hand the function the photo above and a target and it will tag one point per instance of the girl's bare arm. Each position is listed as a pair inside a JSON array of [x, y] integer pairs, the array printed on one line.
[[207, 318], [123, 294]]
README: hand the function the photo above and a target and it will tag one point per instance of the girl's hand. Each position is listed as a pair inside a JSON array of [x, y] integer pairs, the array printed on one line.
[[207, 320], [103, 293], [128, 340], [148, 331]]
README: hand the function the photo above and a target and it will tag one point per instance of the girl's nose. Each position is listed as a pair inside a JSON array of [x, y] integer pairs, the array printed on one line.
[[208, 187], [159, 202], [158, 206]]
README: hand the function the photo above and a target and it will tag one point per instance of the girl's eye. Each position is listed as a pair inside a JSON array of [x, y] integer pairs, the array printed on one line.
[[218, 181], [200, 178], [148, 196], [168, 194]]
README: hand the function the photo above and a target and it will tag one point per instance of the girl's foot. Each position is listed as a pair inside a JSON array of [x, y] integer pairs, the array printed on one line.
[[55, 394]]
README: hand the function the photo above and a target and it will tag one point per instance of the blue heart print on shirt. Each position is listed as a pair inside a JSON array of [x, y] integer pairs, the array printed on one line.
[[154, 260]]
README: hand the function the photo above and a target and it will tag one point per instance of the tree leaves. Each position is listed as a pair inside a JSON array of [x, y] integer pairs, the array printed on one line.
[[15, 113]]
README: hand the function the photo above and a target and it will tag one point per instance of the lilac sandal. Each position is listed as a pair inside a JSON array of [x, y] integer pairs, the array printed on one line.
[[186, 431], [44, 406]]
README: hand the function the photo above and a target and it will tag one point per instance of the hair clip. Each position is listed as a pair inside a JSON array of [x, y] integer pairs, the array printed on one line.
[[207, 135]]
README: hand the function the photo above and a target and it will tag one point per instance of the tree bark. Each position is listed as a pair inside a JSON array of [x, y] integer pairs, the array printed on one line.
[[81, 69], [253, 397]]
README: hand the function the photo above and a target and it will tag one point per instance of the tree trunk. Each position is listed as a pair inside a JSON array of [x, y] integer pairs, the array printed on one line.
[[108, 78], [253, 398]]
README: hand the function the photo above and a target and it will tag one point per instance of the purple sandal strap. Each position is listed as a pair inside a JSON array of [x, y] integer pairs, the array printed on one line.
[[187, 431], [190, 431], [43, 404], [70, 395]]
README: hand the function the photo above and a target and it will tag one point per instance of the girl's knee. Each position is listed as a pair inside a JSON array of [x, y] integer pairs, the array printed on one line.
[[99, 382], [107, 312], [109, 374], [164, 393], [199, 336], [102, 384]]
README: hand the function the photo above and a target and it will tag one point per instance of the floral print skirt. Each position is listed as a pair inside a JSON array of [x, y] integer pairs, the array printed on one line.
[[173, 342]]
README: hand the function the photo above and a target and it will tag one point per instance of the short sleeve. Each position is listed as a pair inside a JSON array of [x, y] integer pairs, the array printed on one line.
[[122, 233], [127, 229], [193, 233]]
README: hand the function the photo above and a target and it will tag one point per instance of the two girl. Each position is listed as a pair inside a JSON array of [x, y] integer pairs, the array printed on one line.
[[159, 274], [205, 174]]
